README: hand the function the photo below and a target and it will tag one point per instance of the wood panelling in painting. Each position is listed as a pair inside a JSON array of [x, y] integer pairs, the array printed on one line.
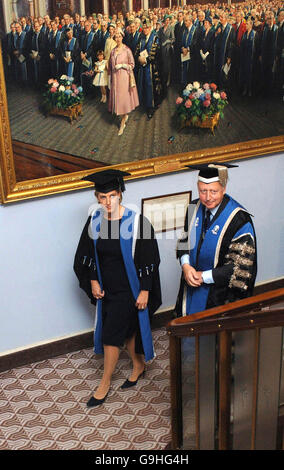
[[60, 8], [93, 6]]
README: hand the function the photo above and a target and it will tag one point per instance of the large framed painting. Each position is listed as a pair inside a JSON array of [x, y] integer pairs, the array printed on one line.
[[44, 154]]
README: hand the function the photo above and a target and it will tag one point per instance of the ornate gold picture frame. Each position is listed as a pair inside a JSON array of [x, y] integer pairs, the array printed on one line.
[[12, 191]]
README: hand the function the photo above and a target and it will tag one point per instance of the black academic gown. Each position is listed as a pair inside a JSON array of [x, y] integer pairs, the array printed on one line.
[[146, 260]]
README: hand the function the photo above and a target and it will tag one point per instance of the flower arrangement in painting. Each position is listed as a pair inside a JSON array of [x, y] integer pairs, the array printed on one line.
[[62, 93], [199, 102]]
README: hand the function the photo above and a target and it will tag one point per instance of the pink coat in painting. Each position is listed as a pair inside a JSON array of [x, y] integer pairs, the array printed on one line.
[[123, 97]]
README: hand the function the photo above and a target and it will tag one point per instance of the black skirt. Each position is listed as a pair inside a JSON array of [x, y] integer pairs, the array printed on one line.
[[119, 313]]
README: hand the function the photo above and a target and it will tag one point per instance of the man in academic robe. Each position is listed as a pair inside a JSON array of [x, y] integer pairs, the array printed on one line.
[[224, 47], [188, 47], [131, 37], [87, 56], [20, 52], [67, 23], [217, 250], [53, 45], [80, 32], [9, 47], [76, 26], [178, 32], [27, 28], [38, 56], [240, 28], [147, 63], [268, 53]]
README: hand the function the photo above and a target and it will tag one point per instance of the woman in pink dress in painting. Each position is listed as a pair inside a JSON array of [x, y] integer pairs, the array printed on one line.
[[123, 97]]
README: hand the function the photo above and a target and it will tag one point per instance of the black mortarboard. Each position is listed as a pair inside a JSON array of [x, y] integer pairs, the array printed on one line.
[[107, 180], [211, 172]]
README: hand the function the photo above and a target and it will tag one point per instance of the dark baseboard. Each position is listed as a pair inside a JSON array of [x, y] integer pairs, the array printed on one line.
[[85, 340], [45, 351]]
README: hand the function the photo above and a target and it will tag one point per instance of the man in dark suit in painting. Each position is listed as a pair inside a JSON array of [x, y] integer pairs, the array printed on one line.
[[178, 32]]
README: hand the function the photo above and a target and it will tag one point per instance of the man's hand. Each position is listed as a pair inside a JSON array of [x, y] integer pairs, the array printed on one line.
[[142, 61], [192, 277]]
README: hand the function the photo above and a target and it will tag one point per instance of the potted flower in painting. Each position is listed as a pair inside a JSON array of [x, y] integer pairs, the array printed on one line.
[[63, 97], [201, 105]]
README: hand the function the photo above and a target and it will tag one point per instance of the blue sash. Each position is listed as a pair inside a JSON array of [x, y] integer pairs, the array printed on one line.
[[57, 38], [127, 234], [187, 37], [224, 42], [196, 298], [70, 65], [186, 41]]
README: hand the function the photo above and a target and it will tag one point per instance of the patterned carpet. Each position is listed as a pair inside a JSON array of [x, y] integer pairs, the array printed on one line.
[[94, 135], [43, 405]]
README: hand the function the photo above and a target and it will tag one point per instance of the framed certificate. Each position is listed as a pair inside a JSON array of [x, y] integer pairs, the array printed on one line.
[[166, 212]]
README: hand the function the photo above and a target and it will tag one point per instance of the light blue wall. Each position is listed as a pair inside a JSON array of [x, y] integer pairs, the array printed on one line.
[[40, 297]]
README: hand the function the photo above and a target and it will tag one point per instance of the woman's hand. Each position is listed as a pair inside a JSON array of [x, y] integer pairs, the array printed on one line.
[[192, 277], [142, 300], [96, 290]]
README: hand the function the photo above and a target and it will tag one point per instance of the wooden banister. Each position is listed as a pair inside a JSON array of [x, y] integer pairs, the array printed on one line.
[[233, 313], [255, 313]]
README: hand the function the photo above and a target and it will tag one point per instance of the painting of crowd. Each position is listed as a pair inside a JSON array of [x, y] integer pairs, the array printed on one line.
[[239, 46]]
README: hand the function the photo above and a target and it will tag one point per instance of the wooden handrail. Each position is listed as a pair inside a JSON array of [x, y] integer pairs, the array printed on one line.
[[234, 315], [259, 311]]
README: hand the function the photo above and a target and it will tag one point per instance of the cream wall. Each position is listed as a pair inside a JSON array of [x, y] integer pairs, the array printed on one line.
[[40, 297]]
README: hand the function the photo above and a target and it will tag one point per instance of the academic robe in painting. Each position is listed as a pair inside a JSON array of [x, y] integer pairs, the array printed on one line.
[[21, 49], [71, 68], [141, 260], [248, 60], [268, 52], [148, 77], [205, 63], [53, 46], [38, 62], [187, 66], [228, 248], [224, 48]]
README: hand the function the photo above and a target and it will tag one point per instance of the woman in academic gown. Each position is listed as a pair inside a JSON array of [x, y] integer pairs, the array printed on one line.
[[117, 265]]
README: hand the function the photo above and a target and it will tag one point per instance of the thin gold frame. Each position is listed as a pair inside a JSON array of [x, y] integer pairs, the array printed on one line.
[[13, 191], [159, 199]]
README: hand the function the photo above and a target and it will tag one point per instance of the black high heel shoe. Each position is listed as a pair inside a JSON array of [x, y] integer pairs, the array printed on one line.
[[132, 383], [96, 401]]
